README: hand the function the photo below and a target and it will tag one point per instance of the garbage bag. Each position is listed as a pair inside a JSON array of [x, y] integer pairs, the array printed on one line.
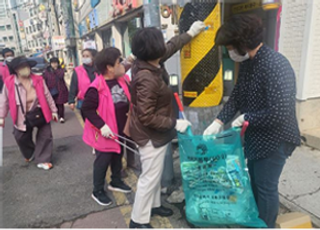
[[216, 181]]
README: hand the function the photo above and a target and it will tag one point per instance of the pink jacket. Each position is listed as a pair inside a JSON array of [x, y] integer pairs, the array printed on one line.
[[4, 71], [83, 81], [106, 110], [9, 100]]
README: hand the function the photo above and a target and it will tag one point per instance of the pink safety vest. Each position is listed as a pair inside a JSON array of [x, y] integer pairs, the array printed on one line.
[[4, 71], [106, 110], [38, 85], [83, 81]]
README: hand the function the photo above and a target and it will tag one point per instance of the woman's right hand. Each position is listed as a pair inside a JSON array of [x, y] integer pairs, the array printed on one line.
[[214, 128], [106, 131], [182, 125], [196, 28], [72, 106]]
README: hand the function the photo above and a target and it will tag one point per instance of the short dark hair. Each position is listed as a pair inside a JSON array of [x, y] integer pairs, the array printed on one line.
[[148, 44], [105, 57], [92, 51], [54, 59], [242, 32], [6, 50]]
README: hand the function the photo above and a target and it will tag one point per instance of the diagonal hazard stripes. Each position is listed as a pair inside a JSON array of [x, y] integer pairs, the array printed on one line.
[[200, 60]]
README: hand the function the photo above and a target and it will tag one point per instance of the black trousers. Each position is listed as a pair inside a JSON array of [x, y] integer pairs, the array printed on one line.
[[100, 167], [60, 108]]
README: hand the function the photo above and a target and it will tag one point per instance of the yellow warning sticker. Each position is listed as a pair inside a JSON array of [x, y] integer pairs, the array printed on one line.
[[190, 94]]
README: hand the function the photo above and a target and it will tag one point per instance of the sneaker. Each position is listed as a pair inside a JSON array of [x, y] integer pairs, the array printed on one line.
[[136, 225], [101, 198], [119, 187], [45, 166], [162, 211], [30, 159], [61, 120]]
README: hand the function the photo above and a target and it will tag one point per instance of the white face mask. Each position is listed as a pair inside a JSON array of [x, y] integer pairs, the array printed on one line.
[[86, 61], [9, 59], [237, 57], [24, 72]]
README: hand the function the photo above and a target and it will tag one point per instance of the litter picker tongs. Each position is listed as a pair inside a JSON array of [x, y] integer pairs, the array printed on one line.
[[124, 145]]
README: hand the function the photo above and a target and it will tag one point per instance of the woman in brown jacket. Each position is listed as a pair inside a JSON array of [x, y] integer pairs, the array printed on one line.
[[153, 124]]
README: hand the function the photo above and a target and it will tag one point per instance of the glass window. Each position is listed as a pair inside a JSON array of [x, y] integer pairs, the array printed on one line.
[[8, 27], [30, 29], [11, 38], [2, 28], [27, 29], [5, 39]]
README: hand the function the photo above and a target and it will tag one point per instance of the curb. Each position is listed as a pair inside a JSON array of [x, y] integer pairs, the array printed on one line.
[[296, 208]]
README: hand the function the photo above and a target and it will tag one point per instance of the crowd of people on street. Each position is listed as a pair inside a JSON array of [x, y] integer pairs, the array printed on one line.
[[118, 110]]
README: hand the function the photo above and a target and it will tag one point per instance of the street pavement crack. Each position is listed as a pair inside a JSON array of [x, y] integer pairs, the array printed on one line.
[[306, 194], [87, 214]]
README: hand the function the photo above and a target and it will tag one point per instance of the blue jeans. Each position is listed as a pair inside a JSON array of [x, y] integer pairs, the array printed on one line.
[[265, 174]]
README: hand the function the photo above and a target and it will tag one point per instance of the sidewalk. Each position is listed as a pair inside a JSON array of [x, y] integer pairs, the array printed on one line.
[[299, 189], [299, 184]]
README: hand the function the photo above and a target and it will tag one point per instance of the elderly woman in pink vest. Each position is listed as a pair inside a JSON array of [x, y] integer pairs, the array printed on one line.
[[105, 109], [28, 99], [82, 77]]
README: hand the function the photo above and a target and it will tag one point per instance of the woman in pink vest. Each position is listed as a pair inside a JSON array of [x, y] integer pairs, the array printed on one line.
[[28, 99], [8, 55], [82, 77], [105, 109]]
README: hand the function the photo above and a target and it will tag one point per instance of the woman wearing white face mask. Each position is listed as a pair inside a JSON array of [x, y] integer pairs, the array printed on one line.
[[29, 101], [265, 97], [82, 77], [5, 70]]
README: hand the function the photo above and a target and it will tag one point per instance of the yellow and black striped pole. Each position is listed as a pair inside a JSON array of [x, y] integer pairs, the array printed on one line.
[[201, 68]]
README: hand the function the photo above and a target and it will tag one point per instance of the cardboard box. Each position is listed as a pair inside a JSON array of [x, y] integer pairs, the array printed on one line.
[[294, 220]]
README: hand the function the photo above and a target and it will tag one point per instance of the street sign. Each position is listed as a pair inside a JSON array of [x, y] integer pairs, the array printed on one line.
[[58, 43]]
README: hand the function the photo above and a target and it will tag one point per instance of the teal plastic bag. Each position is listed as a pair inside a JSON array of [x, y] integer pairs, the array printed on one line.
[[216, 181]]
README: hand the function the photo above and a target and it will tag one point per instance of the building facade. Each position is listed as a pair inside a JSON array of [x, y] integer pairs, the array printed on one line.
[[36, 27], [291, 28], [107, 23], [299, 39], [8, 36]]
